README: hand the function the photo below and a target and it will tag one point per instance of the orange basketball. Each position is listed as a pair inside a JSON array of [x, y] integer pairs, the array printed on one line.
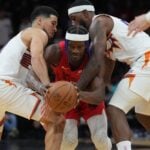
[[62, 96]]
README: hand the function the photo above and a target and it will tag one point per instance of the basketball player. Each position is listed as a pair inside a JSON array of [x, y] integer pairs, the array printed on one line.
[[109, 38], [68, 59], [140, 23], [23, 50]]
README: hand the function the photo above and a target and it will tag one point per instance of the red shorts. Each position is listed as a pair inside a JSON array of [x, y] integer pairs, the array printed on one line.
[[85, 110]]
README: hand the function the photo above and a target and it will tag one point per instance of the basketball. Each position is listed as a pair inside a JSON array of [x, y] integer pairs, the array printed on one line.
[[62, 96]]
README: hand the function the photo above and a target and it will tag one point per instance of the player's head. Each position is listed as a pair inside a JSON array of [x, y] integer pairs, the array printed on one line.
[[81, 12], [46, 18], [77, 38]]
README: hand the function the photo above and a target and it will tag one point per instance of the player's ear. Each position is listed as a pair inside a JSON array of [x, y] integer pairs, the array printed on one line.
[[39, 20]]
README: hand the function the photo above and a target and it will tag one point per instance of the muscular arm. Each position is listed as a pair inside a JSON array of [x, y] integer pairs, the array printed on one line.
[[37, 45], [98, 33], [96, 93], [140, 23], [51, 56]]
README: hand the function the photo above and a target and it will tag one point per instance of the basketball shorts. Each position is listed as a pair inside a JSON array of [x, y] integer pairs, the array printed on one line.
[[133, 93], [85, 110], [19, 100]]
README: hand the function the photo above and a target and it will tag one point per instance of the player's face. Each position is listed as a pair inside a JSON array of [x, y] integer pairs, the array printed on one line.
[[76, 51], [50, 25], [78, 19]]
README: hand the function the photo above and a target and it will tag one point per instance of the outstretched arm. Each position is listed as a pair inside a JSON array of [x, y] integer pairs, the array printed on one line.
[[140, 23]]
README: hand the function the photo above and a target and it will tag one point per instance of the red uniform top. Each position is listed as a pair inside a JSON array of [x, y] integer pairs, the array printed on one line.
[[63, 72]]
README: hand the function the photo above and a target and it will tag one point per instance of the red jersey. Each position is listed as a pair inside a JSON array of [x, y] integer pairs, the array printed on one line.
[[63, 72]]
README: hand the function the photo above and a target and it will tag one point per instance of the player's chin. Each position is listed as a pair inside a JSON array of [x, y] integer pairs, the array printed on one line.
[[51, 35], [76, 58]]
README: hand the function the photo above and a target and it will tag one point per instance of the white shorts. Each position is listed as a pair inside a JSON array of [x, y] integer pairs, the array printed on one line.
[[129, 95], [19, 100]]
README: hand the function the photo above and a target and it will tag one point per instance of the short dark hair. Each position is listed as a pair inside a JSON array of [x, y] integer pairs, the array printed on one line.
[[80, 2], [45, 11], [77, 29]]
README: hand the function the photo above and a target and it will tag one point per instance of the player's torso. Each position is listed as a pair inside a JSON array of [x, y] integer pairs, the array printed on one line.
[[125, 48], [63, 70], [14, 59]]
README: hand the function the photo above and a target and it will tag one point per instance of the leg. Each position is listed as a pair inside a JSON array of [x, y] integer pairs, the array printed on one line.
[[119, 125], [98, 128], [121, 102], [54, 124], [144, 120], [143, 114], [70, 137], [24, 102], [54, 135]]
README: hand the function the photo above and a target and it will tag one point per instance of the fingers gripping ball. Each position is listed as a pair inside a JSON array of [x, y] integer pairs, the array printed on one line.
[[62, 96]]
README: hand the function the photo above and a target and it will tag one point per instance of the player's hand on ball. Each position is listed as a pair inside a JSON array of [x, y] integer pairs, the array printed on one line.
[[78, 91], [62, 96]]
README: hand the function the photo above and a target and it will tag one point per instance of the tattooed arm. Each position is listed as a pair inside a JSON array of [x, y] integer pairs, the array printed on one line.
[[99, 30]]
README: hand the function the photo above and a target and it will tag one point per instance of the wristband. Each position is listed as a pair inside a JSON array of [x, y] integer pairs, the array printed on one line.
[[147, 17]]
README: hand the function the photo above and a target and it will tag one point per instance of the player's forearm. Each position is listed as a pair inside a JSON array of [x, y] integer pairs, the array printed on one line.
[[35, 85], [89, 73], [40, 69], [91, 97]]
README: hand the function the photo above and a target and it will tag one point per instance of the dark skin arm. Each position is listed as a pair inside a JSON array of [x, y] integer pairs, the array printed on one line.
[[99, 30], [52, 55], [96, 90]]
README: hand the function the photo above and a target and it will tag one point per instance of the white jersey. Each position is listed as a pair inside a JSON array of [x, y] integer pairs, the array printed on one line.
[[14, 60], [15, 96], [134, 51]]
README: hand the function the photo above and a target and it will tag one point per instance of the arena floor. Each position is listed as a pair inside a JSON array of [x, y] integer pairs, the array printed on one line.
[[83, 145]]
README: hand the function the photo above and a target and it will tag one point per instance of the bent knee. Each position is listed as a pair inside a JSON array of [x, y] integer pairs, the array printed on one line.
[[102, 142], [69, 142]]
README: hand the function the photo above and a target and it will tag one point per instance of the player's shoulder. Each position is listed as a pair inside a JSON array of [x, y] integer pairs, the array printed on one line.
[[52, 54], [53, 49], [32, 31], [102, 18], [101, 22]]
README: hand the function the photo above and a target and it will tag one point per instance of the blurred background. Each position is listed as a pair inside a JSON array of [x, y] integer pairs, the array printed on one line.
[[15, 16]]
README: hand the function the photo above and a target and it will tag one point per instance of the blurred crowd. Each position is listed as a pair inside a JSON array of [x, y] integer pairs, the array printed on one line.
[[14, 16]]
